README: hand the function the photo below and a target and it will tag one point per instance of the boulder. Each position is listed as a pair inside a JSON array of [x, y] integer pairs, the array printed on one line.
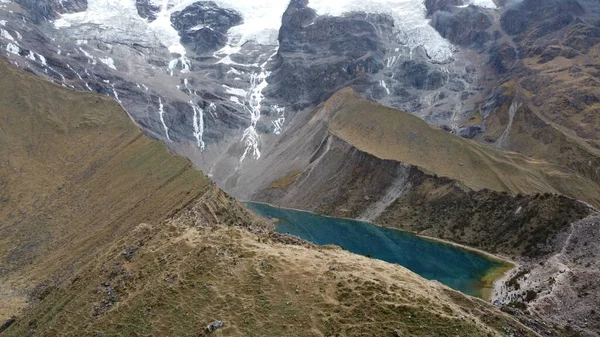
[[470, 131], [7, 323], [214, 326]]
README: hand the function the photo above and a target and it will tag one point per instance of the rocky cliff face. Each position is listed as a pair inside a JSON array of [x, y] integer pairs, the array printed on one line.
[[464, 26], [317, 56]]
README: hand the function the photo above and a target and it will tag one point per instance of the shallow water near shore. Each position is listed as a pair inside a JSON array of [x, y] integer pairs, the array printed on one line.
[[467, 271]]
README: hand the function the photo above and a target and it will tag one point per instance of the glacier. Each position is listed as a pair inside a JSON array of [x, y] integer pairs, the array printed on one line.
[[118, 19]]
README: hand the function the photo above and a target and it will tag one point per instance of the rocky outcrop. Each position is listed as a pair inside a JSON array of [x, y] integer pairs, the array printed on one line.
[[7, 323], [470, 131], [464, 26], [421, 75], [537, 18], [146, 9], [203, 25], [502, 57], [319, 55]]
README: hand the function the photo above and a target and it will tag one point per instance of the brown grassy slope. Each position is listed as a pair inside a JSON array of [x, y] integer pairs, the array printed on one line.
[[75, 173], [77, 179], [392, 134], [181, 276], [559, 119]]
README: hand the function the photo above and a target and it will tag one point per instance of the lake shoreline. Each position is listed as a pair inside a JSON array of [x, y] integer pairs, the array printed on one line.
[[491, 280], [494, 278]]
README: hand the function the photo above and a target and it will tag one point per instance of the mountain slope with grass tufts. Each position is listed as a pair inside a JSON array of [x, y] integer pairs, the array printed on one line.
[[178, 277], [396, 135], [75, 173]]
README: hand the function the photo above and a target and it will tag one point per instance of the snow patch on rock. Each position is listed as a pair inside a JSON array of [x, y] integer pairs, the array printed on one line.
[[482, 3], [5, 34], [13, 48], [161, 113], [109, 62], [198, 124]]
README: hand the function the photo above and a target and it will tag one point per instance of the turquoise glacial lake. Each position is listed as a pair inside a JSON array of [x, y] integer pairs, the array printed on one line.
[[458, 268]]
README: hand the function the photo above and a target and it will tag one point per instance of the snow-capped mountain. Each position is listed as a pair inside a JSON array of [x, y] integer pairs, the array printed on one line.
[[222, 81], [217, 73]]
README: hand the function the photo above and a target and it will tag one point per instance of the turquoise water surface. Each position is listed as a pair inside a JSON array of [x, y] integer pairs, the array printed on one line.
[[455, 267]]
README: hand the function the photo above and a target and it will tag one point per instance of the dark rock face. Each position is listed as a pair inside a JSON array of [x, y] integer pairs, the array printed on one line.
[[420, 75], [553, 51], [545, 29], [582, 37], [203, 26], [40, 10], [320, 55], [146, 9], [297, 16], [463, 26], [502, 57], [7, 323], [552, 14], [470, 131]]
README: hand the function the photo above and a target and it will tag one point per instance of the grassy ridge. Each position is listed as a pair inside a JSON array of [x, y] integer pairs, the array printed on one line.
[[189, 272], [392, 134], [75, 172]]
